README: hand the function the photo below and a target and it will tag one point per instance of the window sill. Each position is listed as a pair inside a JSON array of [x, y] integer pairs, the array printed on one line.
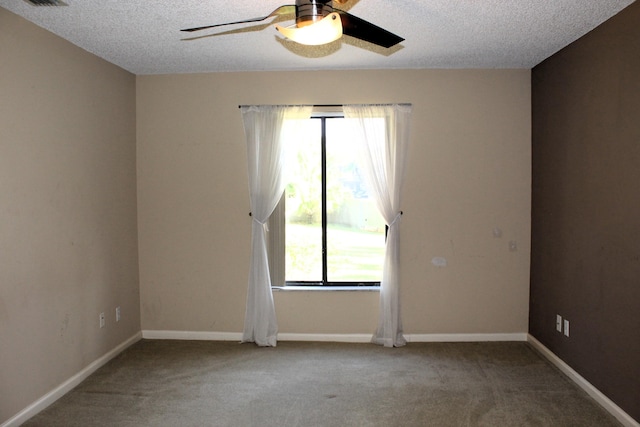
[[326, 288]]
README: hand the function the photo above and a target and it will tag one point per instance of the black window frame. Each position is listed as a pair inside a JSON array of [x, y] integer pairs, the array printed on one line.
[[325, 282]]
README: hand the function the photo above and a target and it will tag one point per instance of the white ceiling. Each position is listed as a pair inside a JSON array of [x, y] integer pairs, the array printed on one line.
[[143, 37]]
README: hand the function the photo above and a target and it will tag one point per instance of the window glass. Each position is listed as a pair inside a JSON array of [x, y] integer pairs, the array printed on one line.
[[303, 207], [334, 232]]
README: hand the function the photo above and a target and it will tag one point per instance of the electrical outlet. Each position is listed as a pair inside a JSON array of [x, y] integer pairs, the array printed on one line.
[[117, 314], [558, 323], [566, 327], [102, 320]]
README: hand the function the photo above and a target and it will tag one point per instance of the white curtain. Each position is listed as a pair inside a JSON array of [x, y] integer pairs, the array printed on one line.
[[265, 128], [384, 140]]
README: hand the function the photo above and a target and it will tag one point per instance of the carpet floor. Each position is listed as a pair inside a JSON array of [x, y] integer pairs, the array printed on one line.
[[203, 383]]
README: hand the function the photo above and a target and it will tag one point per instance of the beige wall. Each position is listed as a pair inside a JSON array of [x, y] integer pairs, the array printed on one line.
[[68, 247], [469, 172]]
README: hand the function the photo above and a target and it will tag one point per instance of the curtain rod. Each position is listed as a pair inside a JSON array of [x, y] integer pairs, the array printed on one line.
[[337, 105], [313, 105]]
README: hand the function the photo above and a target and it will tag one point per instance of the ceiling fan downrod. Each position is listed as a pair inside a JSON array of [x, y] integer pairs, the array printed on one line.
[[311, 11]]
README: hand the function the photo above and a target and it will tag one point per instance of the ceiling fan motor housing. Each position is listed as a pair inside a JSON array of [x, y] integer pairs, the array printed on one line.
[[310, 11]]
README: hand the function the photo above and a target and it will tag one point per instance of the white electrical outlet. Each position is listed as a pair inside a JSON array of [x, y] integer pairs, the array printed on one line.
[[102, 320], [117, 314], [558, 323], [566, 327]]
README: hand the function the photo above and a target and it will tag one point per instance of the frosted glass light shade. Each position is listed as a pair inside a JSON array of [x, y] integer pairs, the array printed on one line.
[[326, 30]]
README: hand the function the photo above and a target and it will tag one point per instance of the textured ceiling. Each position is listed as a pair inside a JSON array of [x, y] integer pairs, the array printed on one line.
[[143, 37]]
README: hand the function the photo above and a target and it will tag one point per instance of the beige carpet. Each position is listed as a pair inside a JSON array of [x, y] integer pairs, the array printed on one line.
[[189, 383]]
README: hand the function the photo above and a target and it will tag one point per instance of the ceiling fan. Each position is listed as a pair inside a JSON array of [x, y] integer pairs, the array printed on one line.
[[318, 22]]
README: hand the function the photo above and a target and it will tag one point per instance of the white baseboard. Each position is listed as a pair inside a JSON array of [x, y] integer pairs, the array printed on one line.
[[465, 337], [366, 338], [356, 338], [68, 385], [192, 335], [596, 394], [237, 336]]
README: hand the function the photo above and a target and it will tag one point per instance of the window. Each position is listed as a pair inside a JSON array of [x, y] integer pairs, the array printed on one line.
[[326, 230]]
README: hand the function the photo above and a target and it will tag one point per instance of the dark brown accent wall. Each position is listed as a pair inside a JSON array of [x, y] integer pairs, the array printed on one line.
[[585, 262]]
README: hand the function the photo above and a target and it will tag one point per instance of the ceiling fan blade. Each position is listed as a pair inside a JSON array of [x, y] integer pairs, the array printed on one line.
[[282, 10], [363, 30]]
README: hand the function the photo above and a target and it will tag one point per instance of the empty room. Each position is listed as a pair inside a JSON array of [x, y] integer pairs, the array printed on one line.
[[333, 213]]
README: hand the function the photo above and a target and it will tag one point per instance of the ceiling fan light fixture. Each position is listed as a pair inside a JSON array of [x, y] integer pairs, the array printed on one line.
[[324, 31]]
